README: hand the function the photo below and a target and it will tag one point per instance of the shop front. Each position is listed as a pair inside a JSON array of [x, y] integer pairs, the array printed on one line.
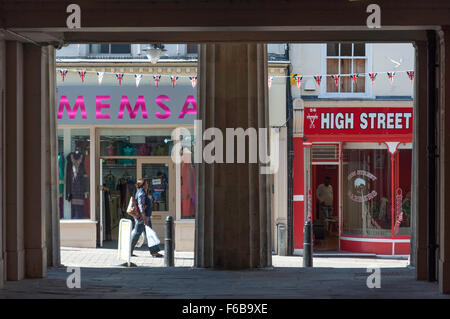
[[109, 136], [357, 179]]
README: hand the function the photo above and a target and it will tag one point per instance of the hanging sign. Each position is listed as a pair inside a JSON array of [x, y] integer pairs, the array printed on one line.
[[349, 120]]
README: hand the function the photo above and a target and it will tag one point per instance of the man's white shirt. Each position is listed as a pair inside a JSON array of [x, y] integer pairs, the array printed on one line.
[[325, 194]]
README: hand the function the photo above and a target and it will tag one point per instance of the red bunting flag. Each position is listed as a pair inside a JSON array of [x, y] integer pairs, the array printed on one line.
[[138, 79], [82, 74], [355, 78], [336, 79], [63, 73], [391, 76], [318, 79], [193, 80], [410, 75], [119, 76], [298, 80], [373, 76], [269, 81], [173, 79], [157, 78]]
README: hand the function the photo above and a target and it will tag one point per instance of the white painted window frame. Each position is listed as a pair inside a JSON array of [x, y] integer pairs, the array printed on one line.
[[368, 94]]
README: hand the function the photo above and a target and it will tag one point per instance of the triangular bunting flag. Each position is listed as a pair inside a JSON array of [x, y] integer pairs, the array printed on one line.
[[373, 76], [410, 75], [298, 80], [173, 79], [63, 73], [318, 79], [119, 76], [100, 77], [391, 76], [193, 81], [138, 79], [269, 81], [355, 78], [82, 75], [336, 77], [157, 78]]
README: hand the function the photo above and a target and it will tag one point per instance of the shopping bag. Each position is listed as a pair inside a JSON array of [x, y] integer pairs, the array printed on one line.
[[152, 238], [132, 207], [140, 241]]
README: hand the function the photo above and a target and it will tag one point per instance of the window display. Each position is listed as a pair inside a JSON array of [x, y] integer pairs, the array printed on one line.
[[74, 170], [135, 143], [367, 192]]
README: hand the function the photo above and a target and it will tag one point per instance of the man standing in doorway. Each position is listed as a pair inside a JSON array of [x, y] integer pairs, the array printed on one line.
[[325, 196]]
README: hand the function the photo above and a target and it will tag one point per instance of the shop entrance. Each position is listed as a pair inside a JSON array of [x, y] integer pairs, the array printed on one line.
[[325, 195], [159, 174]]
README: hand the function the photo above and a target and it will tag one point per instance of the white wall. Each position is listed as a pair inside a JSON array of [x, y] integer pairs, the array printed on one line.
[[307, 59]]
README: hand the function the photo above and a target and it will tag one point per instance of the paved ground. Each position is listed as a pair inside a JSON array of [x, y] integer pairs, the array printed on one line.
[[102, 277]]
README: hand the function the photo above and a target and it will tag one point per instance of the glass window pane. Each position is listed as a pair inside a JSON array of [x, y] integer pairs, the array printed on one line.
[[332, 68], [359, 49], [346, 68], [346, 49], [187, 185], [104, 48], [135, 143], [94, 48], [118, 181], [157, 177], [367, 191], [332, 49], [120, 48], [74, 173], [405, 160]]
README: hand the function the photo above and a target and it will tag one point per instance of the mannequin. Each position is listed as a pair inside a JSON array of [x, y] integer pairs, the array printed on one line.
[[75, 182]]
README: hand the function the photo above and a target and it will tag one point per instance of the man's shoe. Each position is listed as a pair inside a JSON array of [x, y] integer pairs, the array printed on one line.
[[157, 255]]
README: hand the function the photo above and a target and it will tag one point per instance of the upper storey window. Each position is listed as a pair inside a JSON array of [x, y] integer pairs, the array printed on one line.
[[346, 59]]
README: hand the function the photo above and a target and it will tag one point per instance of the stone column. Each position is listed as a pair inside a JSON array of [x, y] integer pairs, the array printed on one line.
[[51, 188], [444, 162], [14, 186], [2, 158], [419, 229], [36, 119], [233, 199]]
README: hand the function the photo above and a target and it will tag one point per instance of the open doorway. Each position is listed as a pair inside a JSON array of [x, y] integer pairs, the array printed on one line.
[[325, 186]]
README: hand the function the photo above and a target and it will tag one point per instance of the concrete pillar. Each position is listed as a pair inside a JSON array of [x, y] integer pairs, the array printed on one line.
[[2, 159], [14, 182], [419, 228], [233, 200], [444, 162], [35, 156], [51, 188]]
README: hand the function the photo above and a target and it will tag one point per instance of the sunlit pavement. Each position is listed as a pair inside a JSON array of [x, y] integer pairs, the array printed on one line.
[[103, 277]]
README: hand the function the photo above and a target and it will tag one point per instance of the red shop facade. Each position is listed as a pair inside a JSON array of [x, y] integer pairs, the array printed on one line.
[[366, 156]]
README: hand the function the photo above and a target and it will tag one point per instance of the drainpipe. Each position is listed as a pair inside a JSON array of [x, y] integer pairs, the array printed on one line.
[[290, 150], [431, 148]]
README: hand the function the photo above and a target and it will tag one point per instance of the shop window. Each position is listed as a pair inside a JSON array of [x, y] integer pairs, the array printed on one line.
[[346, 59], [367, 192], [74, 171], [404, 173], [135, 143]]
